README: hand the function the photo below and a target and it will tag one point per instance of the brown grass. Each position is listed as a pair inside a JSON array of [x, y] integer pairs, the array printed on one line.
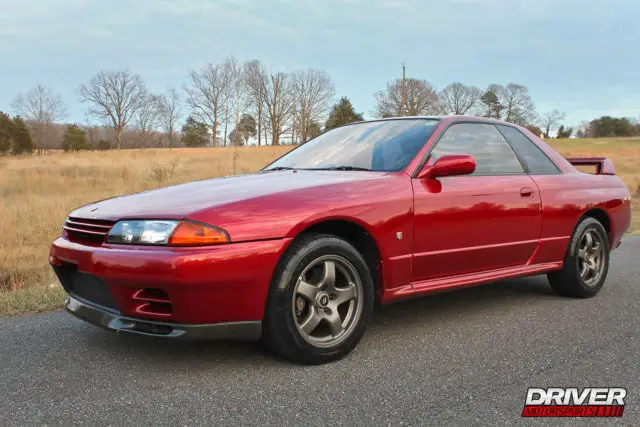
[[37, 192]]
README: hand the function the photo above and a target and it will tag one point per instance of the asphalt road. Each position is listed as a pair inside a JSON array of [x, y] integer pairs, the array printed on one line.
[[460, 358]]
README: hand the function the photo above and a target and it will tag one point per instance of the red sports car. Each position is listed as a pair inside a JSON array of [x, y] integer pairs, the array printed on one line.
[[376, 211]]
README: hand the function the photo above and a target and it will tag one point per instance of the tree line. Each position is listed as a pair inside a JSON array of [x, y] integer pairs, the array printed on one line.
[[233, 103]]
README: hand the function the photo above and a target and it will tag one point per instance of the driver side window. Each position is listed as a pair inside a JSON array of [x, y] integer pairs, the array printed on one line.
[[485, 143]]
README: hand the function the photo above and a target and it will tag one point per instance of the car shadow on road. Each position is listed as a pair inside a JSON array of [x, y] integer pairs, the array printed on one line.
[[390, 320]]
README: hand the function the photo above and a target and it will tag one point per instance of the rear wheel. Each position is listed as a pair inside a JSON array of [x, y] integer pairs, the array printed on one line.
[[320, 301], [586, 262]]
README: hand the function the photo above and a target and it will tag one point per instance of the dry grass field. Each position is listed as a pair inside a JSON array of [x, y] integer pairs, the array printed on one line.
[[37, 192]]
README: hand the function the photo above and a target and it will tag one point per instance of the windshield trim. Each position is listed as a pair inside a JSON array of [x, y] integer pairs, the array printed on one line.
[[436, 119]]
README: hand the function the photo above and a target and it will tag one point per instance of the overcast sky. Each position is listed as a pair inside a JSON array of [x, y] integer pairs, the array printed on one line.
[[580, 56]]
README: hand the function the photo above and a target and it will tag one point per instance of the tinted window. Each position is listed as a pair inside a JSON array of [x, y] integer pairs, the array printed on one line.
[[537, 162], [491, 151]]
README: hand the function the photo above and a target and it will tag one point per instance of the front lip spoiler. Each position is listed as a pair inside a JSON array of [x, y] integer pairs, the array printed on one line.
[[114, 321]]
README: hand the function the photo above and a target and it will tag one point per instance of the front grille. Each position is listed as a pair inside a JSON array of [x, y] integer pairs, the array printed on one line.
[[90, 231], [83, 285]]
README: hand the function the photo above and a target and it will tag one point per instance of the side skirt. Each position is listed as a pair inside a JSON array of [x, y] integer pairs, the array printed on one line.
[[464, 280]]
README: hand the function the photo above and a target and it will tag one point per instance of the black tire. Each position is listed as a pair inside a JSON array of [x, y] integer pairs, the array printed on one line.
[[282, 331], [569, 281]]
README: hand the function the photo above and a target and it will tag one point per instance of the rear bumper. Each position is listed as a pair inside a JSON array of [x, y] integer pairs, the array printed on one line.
[[113, 321]]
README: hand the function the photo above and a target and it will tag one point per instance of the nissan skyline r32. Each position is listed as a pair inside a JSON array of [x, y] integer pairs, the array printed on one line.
[[372, 212]]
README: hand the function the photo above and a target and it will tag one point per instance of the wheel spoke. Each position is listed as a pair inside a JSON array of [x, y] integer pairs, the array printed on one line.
[[582, 254], [307, 290], [584, 271], [311, 322], [329, 278], [335, 323], [589, 242], [345, 294]]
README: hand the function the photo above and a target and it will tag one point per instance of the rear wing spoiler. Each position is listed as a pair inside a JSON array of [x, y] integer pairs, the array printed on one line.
[[603, 165]]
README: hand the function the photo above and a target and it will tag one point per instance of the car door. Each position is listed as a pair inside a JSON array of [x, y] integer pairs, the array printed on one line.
[[487, 220]]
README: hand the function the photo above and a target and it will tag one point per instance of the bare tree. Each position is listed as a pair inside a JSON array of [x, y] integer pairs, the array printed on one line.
[[550, 120], [255, 78], [168, 112], [517, 103], [313, 93], [114, 96], [206, 96], [460, 99], [279, 104], [421, 99], [94, 133], [40, 107], [585, 130], [147, 118], [237, 94]]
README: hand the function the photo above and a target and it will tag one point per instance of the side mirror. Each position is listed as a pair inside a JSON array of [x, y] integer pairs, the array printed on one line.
[[451, 165]]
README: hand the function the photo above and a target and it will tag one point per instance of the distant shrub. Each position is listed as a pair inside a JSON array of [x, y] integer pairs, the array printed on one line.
[[103, 144], [75, 139], [534, 130]]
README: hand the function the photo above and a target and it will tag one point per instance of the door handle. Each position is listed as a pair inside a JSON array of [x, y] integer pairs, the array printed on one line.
[[526, 192]]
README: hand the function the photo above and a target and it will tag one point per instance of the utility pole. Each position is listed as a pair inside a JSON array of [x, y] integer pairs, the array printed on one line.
[[403, 107]]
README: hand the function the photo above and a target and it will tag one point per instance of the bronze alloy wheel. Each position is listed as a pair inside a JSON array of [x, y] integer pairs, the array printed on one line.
[[590, 257], [327, 301]]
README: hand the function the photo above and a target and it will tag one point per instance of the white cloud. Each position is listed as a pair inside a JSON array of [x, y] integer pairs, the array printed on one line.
[[557, 47]]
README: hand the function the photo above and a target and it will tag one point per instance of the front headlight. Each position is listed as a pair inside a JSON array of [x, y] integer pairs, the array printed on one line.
[[139, 232], [166, 232]]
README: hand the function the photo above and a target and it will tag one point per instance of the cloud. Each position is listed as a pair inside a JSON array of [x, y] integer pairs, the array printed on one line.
[[566, 51]]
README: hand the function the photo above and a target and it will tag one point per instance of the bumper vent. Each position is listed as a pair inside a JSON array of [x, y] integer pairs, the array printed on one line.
[[87, 231], [86, 286], [153, 301]]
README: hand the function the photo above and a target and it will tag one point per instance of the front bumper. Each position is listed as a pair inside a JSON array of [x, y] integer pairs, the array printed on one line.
[[204, 285], [113, 321]]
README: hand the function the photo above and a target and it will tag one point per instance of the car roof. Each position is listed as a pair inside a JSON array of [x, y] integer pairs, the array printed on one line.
[[451, 118]]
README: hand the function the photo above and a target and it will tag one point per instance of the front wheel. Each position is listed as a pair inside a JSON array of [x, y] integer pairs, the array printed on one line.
[[320, 301], [586, 262]]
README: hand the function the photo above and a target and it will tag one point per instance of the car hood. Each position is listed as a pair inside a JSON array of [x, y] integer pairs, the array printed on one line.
[[180, 201]]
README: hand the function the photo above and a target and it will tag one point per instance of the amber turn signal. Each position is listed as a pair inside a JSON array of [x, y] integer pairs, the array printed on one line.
[[191, 233]]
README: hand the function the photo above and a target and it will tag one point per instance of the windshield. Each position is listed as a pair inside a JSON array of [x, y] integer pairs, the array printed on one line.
[[381, 146]]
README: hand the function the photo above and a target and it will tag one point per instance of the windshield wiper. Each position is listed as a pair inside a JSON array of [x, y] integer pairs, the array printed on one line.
[[279, 168], [344, 168]]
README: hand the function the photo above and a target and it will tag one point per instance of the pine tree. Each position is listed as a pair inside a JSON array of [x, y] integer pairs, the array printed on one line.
[[194, 133], [6, 133], [341, 114], [74, 139], [22, 143], [564, 132], [313, 130], [493, 106]]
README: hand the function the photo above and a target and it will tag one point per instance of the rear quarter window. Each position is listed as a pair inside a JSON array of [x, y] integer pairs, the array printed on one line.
[[529, 153]]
